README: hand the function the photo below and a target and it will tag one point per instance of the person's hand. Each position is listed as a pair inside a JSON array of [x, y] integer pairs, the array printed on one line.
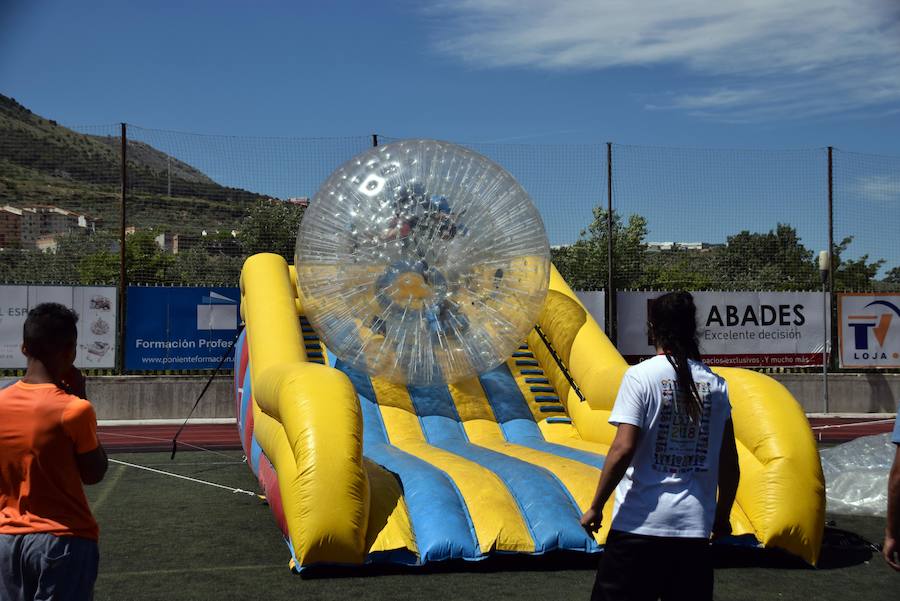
[[592, 520], [722, 527], [73, 382], [891, 551]]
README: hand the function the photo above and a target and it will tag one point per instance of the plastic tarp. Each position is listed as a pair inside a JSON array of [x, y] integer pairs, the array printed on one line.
[[856, 475]]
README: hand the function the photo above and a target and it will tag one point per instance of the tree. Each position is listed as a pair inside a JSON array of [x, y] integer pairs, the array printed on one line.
[[892, 276], [776, 260], [853, 274], [271, 226], [680, 269], [584, 264], [145, 261]]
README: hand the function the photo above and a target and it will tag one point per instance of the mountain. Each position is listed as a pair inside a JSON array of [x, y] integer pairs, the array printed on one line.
[[42, 162]]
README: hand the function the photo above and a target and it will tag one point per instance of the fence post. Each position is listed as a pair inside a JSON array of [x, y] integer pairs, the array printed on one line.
[[374, 140], [831, 298], [610, 264], [123, 282]]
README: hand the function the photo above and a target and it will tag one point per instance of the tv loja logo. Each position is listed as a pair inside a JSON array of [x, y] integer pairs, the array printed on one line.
[[880, 325]]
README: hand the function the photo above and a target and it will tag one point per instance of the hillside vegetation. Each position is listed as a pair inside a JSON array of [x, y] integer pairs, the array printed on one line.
[[42, 162]]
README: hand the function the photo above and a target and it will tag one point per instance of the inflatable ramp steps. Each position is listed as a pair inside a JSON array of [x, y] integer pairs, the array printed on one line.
[[311, 342], [543, 394]]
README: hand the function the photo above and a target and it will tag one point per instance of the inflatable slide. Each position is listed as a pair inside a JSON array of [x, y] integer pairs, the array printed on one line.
[[357, 469], [422, 385]]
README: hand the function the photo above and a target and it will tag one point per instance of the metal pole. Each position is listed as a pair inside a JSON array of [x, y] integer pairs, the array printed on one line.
[[830, 313], [122, 273], [610, 263], [827, 316], [374, 140]]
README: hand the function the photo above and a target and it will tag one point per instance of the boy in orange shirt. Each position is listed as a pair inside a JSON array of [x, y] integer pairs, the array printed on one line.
[[48, 448]]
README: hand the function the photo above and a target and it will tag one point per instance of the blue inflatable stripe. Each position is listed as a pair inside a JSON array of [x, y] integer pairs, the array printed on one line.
[[238, 346], [559, 420], [517, 422], [532, 372], [439, 517], [246, 395], [547, 508], [255, 453], [537, 381]]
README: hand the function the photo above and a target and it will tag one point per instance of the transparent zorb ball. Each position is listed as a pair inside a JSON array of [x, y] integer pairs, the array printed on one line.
[[422, 262]]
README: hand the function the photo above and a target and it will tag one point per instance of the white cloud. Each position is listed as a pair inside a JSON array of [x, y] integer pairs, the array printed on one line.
[[771, 58], [879, 187]]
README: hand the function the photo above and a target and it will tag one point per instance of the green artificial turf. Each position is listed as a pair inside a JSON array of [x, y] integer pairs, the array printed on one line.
[[169, 539]]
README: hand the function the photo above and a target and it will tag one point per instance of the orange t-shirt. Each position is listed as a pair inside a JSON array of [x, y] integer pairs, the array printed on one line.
[[41, 430]]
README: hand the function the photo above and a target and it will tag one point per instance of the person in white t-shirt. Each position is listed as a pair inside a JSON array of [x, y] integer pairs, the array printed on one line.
[[674, 447], [891, 548]]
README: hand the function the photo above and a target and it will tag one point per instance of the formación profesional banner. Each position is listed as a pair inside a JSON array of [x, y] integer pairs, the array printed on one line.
[[737, 329], [180, 328]]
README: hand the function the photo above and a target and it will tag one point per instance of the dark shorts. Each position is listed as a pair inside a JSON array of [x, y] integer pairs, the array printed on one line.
[[47, 567], [635, 567]]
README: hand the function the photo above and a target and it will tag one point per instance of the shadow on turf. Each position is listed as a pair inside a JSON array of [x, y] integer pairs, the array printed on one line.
[[551, 562], [840, 549]]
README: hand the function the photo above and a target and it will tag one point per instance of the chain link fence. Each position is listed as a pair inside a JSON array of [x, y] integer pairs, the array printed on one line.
[[866, 218], [60, 193], [195, 206]]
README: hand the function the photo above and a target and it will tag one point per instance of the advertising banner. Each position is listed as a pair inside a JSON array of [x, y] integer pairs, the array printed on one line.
[[180, 328], [595, 302], [737, 329], [869, 329], [96, 308]]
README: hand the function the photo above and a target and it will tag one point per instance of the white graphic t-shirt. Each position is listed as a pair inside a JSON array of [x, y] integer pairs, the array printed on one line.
[[670, 486]]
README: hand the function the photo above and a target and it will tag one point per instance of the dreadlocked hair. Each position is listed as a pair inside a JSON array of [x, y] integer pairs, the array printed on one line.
[[673, 328]]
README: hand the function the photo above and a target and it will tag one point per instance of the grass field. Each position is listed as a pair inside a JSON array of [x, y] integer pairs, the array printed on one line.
[[168, 539]]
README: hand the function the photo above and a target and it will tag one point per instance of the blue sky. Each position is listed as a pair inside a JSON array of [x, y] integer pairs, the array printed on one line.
[[760, 74]]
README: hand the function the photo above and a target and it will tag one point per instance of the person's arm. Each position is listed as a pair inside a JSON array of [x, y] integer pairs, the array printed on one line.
[[891, 548], [614, 467], [729, 477], [92, 465], [80, 422]]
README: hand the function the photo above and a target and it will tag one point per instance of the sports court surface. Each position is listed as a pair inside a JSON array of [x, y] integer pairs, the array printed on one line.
[[225, 436], [164, 537]]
